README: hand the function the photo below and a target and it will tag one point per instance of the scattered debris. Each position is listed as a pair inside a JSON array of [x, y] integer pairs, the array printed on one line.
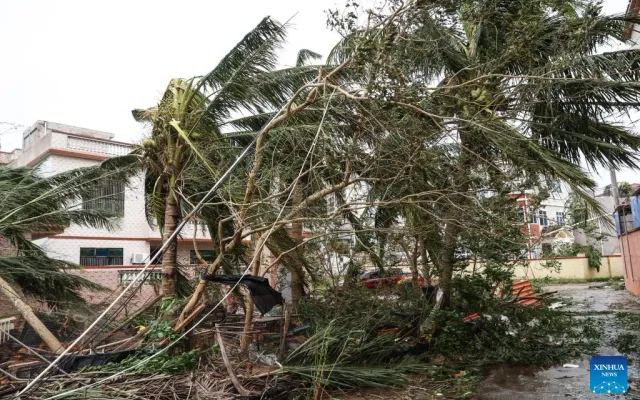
[[570, 366]]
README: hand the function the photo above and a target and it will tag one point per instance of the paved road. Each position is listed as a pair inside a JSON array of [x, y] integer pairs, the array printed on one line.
[[529, 383]]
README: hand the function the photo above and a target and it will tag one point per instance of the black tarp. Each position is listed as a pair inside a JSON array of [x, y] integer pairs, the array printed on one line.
[[264, 296]]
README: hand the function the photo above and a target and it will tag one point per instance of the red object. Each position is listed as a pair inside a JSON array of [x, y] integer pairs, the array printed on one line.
[[373, 280], [471, 317], [524, 289]]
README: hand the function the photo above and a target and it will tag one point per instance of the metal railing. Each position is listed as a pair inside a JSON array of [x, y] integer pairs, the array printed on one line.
[[97, 261], [98, 146], [6, 325]]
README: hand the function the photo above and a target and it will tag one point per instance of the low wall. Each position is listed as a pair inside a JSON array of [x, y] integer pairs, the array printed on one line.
[[572, 268]]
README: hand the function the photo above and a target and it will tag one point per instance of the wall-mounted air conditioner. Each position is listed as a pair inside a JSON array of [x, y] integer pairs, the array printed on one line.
[[139, 258]]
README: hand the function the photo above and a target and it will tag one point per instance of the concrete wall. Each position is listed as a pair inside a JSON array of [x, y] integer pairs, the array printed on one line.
[[572, 268]]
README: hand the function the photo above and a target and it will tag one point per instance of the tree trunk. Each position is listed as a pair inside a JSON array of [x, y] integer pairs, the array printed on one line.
[[248, 314], [297, 290], [170, 256], [27, 313], [447, 261], [426, 270], [413, 264]]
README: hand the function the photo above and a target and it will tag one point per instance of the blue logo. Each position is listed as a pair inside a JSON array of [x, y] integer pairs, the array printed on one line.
[[609, 374]]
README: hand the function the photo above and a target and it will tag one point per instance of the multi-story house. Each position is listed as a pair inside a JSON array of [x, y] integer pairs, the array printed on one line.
[[543, 222], [109, 257]]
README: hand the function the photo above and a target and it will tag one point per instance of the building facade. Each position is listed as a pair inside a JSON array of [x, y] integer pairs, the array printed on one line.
[[543, 223], [109, 257]]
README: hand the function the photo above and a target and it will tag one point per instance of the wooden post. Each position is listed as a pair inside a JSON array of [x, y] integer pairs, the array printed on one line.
[[27, 313]]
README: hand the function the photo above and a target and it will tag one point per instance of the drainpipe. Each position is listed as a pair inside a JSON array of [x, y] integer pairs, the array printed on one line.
[[526, 218]]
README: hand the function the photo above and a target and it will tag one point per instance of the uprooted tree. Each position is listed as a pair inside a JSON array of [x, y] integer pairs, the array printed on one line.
[[427, 107]]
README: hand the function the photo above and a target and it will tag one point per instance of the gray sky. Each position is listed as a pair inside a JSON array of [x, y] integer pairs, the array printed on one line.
[[88, 63]]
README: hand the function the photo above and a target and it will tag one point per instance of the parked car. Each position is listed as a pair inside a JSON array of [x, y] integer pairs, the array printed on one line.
[[374, 279]]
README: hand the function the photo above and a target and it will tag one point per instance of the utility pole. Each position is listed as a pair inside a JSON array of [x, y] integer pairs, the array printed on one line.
[[614, 188]]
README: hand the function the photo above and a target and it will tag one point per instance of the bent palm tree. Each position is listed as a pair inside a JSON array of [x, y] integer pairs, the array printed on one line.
[[31, 204], [189, 126], [509, 84]]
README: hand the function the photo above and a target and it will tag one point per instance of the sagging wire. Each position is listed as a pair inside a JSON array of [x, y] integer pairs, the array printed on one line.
[[162, 249], [244, 273]]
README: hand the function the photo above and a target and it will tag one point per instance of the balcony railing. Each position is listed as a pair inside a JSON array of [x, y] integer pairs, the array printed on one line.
[[126, 276], [6, 325], [98, 146], [96, 261]]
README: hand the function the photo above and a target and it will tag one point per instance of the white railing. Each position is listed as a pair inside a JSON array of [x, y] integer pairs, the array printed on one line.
[[6, 324], [98, 146], [126, 276]]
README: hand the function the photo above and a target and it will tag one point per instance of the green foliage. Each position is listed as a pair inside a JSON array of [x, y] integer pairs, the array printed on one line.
[[358, 308], [164, 363], [338, 357], [553, 265], [516, 334], [34, 204], [627, 339], [594, 257]]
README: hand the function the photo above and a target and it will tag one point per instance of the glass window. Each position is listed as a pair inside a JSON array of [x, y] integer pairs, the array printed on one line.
[[560, 218], [107, 197], [542, 215]]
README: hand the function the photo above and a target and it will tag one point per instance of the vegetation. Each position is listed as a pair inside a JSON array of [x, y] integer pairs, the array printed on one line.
[[32, 205], [408, 143]]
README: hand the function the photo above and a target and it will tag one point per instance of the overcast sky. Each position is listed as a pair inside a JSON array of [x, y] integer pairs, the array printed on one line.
[[89, 63]]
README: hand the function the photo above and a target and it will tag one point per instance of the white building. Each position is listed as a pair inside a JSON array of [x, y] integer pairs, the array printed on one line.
[[111, 257]]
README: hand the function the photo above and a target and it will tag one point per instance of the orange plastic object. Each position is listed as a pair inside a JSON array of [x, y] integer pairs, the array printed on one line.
[[471, 317], [524, 289]]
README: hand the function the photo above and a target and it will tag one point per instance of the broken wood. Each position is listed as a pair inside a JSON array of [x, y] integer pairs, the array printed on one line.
[[285, 328], [27, 313], [236, 383], [190, 318]]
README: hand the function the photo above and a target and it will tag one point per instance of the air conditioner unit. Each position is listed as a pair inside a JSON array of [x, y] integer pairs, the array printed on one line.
[[139, 258]]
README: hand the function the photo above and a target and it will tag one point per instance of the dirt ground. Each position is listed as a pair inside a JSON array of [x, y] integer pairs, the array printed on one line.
[[524, 383]]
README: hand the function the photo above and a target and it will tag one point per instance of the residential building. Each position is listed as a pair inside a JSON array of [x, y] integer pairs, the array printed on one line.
[[542, 223], [609, 243], [110, 257]]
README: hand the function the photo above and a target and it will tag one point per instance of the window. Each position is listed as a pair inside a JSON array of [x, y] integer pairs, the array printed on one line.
[[560, 218], [152, 254], [556, 187], [542, 215], [92, 256], [126, 276], [108, 197], [207, 255], [521, 214], [533, 218]]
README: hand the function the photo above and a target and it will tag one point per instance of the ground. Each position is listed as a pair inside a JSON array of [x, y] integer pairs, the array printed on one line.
[[523, 383], [603, 301]]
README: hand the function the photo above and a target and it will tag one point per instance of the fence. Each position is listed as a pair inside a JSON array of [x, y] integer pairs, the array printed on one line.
[[6, 324]]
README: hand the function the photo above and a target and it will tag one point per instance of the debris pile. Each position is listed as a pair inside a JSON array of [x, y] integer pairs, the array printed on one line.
[[344, 338]]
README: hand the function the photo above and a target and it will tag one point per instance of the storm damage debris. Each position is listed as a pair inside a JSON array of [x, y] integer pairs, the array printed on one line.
[[264, 296]]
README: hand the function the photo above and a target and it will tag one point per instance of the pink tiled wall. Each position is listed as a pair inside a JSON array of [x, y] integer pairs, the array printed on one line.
[[630, 246]]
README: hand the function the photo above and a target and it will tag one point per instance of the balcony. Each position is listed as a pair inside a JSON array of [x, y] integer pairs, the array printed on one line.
[[97, 146]]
